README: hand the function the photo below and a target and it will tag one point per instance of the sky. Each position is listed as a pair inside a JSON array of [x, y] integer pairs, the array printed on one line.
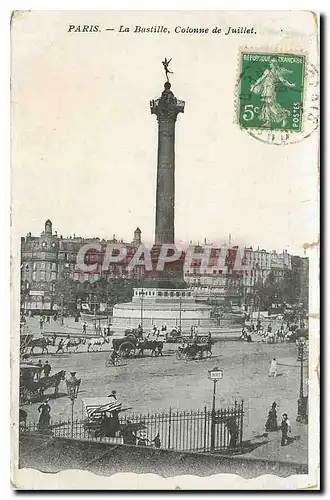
[[84, 143]]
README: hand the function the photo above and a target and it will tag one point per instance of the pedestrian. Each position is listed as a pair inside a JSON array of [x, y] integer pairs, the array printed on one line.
[[47, 369], [156, 441], [41, 322], [142, 438], [285, 429], [273, 368], [113, 395], [269, 328], [44, 418], [84, 327], [60, 346], [271, 422], [233, 432]]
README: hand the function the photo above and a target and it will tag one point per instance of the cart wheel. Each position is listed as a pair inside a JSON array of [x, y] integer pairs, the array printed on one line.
[[209, 354], [204, 340], [119, 360], [179, 355], [108, 362], [127, 349]]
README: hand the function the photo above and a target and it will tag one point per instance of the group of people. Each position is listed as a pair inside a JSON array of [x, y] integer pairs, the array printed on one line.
[[46, 319], [46, 368], [139, 438], [285, 426], [282, 334]]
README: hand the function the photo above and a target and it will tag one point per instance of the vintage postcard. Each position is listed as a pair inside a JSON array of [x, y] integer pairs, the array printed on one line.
[[165, 255]]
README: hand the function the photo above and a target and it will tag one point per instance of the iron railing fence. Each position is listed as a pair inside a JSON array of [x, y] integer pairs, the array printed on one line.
[[177, 430]]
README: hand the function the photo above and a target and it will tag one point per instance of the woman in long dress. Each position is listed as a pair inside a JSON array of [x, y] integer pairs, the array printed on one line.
[[44, 418], [272, 111], [273, 368]]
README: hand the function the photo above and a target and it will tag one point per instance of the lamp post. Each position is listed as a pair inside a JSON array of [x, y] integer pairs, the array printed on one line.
[[215, 374], [62, 309], [142, 293], [180, 313], [302, 401], [72, 385]]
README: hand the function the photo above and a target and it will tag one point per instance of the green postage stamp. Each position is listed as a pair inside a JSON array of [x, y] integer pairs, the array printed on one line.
[[271, 91]]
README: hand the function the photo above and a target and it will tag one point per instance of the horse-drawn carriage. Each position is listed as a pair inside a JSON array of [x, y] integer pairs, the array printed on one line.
[[28, 387], [32, 386], [133, 344], [102, 420], [194, 350]]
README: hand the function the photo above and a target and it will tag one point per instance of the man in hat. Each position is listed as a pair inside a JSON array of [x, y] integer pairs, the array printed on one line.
[[47, 369], [285, 429]]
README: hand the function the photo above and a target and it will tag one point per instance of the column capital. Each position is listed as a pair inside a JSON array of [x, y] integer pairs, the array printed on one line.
[[167, 107]]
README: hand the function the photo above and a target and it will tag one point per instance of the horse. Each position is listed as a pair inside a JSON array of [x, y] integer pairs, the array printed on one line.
[[155, 346], [52, 381], [43, 343], [194, 351], [95, 344], [75, 343]]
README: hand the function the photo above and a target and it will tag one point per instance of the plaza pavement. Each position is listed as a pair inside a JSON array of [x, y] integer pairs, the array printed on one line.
[[156, 384], [72, 328]]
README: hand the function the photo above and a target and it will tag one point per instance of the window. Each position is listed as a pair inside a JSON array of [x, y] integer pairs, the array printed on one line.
[[165, 294], [42, 265], [160, 294]]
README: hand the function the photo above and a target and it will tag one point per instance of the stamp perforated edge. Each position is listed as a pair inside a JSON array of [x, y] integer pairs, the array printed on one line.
[[281, 132]]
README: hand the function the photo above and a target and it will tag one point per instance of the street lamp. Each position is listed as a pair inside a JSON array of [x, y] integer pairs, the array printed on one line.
[[142, 294], [215, 374], [72, 385], [302, 401], [180, 312]]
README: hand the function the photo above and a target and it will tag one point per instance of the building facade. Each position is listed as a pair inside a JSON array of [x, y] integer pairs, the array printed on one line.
[[49, 258], [232, 281]]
